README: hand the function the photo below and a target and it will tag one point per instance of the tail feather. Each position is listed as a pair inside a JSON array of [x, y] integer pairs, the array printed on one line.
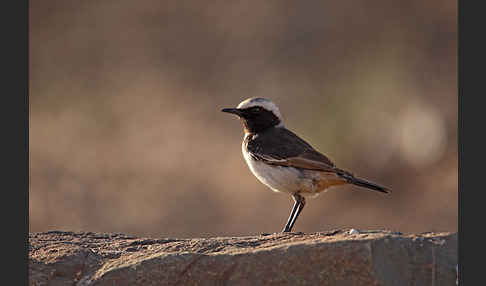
[[371, 186], [350, 178]]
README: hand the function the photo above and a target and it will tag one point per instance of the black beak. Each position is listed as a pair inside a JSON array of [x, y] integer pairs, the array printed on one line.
[[233, 110]]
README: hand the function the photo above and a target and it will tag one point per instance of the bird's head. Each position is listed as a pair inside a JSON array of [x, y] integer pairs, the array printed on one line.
[[257, 114]]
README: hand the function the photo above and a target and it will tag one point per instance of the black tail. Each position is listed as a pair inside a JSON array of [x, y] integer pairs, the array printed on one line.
[[369, 185], [362, 183]]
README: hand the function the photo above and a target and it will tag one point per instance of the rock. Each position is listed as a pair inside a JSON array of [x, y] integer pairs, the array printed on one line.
[[326, 258], [353, 231]]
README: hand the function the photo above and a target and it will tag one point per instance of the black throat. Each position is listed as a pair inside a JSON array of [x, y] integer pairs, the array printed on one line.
[[256, 123]]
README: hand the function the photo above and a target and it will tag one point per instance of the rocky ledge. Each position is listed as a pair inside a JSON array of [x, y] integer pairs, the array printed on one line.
[[340, 257]]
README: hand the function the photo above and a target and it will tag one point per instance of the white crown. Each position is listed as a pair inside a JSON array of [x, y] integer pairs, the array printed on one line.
[[263, 103]]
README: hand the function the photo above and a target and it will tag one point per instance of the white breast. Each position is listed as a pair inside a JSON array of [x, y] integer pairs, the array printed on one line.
[[277, 178]]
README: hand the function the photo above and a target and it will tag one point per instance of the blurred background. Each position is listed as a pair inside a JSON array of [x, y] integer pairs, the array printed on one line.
[[126, 133]]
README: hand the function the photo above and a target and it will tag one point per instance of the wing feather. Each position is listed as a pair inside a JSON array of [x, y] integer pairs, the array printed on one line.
[[283, 148], [298, 162]]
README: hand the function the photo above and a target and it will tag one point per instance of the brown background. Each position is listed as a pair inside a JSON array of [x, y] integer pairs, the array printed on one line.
[[126, 133]]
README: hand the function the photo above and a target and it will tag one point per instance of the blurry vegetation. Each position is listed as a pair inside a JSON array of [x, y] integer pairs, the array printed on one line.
[[126, 133]]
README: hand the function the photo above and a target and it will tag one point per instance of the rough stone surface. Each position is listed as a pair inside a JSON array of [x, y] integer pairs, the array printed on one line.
[[325, 258]]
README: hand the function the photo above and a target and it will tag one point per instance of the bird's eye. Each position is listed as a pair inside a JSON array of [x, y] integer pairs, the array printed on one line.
[[257, 109]]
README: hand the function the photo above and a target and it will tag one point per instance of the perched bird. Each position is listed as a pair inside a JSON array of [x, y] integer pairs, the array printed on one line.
[[283, 161]]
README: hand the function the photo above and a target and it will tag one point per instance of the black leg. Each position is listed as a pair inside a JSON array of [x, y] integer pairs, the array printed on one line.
[[301, 201], [298, 207], [287, 227]]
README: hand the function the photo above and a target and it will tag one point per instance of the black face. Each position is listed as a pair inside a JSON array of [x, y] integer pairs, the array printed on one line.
[[255, 118]]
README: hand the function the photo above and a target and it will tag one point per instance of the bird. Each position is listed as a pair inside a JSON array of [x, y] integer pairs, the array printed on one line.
[[286, 163]]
